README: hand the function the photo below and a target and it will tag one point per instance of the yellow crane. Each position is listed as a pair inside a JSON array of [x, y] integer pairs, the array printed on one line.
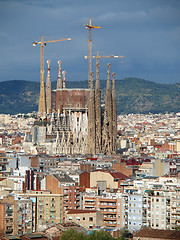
[[42, 94], [90, 26], [97, 60]]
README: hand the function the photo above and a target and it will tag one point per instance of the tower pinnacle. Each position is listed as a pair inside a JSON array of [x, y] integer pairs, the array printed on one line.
[[59, 80], [48, 90]]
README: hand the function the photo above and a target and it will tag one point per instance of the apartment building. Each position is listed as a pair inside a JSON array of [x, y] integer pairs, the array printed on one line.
[[65, 185], [110, 205], [87, 218], [175, 210], [16, 215], [110, 180], [47, 208], [154, 207], [159, 212], [135, 203]]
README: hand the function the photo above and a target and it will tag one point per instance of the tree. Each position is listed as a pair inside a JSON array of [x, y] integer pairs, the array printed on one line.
[[72, 234], [99, 235], [124, 234]]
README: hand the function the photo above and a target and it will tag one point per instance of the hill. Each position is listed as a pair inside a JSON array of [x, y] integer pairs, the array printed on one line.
[[133, 96]]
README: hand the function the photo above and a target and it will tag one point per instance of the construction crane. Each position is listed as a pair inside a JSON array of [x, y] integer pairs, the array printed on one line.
[[97, 60], [90, 26], [42, 94]]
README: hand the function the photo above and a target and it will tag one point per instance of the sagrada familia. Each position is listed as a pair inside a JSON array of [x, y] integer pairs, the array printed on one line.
[[75, 117]]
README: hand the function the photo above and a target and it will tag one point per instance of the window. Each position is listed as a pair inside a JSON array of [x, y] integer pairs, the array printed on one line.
[[84, 218], [91, 219]]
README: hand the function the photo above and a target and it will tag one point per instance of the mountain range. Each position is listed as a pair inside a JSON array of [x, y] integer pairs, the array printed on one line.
[[133, 95]]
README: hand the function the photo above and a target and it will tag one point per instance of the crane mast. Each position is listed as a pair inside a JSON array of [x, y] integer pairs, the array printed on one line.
[[90, 26], [43, 43]]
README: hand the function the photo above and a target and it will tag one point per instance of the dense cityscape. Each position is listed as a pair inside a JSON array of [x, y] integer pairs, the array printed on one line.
[[94, 154], [47, 193]]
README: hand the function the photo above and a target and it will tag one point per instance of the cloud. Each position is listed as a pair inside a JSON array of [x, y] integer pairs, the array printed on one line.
[[147, 33]]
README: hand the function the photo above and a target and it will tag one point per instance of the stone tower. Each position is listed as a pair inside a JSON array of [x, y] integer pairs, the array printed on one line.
[[91, 120], [98, 110], [42, 107], [114, 117], [48, 90], [107, 124], [59, 80]]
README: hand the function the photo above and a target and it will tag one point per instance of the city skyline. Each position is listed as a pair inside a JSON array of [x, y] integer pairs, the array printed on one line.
[[146, 32]]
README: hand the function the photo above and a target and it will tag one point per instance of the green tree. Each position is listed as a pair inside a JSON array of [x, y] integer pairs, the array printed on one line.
[[124, 234], [177, 228], [73, 234], [99, 235]]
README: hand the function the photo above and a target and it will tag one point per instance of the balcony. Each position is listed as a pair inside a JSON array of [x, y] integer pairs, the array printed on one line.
[[110, 224], [52, 210], [9, 210], [9, 223], [110, 218], [107, 206], [9, 231], [9, 215]]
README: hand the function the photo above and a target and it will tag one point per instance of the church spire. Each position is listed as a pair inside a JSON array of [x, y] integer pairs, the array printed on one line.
[[114, 117], [91, 119], [59, 80], [98, 108], [48, 90], [64, 79], [42, 105], [108, 111]]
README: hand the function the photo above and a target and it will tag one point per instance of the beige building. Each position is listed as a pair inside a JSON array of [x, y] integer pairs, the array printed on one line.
[[161, 167], [16, 215], [110, 206], [87, 218], [105, 179], [178, 145], [175, 210], [47, 208]]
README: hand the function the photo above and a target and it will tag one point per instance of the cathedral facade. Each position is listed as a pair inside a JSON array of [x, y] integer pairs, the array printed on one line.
[[76, 121]]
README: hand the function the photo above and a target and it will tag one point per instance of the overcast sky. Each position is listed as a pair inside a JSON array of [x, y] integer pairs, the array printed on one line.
[[146, 32]]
